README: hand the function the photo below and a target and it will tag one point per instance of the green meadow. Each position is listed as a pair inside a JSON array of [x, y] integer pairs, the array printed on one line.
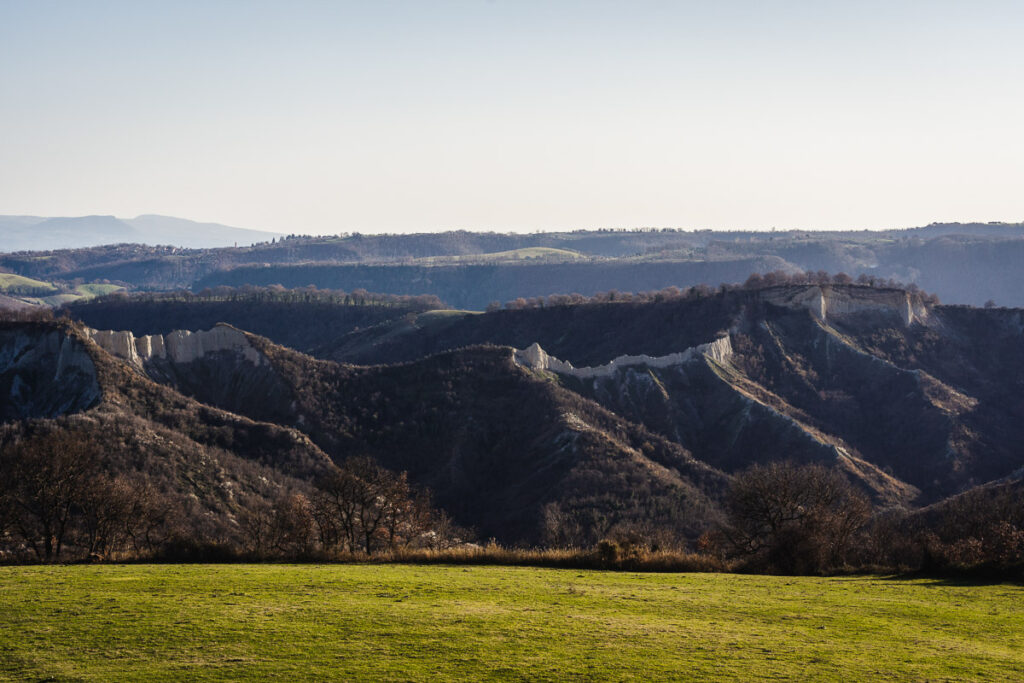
[[9, 282], [524, 254], [41, 293], [420, 622]]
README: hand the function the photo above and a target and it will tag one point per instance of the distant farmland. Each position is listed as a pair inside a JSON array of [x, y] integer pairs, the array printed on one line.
[[395, 622]]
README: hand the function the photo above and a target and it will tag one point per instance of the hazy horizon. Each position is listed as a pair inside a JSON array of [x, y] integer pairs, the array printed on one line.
[[639, 228], [320, 118]]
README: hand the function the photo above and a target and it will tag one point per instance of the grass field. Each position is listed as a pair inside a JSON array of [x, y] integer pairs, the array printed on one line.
[[9, 282], [524, 254], [402, 622], [86, 291], [93, 289]]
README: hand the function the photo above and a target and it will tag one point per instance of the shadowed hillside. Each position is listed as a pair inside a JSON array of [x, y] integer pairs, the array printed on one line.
[[301, 319], [907, 396], [561, 424], [501, 447], [475, 286], [205, 464], [962, 263]]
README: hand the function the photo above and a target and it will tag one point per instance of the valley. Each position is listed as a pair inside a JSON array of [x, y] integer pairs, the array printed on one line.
[[559, 425]]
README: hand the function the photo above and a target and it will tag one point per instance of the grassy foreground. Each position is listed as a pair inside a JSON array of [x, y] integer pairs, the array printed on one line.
[[404, 622]]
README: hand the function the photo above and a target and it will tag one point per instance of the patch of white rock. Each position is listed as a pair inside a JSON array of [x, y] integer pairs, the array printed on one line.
[[827, 301], [536, 358], [180, 346]]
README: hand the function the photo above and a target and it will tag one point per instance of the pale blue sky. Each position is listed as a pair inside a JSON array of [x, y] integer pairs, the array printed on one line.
[[322, 117]]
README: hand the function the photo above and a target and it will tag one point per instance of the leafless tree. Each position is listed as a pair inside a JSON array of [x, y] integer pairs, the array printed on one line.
[[104, 507], [293, 525], [794, 518], [364, 507], [47, 479], [150, 519]]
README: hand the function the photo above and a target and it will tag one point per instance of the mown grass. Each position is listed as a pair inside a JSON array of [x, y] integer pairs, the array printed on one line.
[[406, 622]]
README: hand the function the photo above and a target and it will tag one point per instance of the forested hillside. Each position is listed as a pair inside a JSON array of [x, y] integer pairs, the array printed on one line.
[[961, 263]]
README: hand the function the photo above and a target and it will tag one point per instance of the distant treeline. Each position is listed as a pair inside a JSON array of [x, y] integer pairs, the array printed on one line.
[[776, 278], [964, 263], [299, 318], [276, 293], [474, 286]]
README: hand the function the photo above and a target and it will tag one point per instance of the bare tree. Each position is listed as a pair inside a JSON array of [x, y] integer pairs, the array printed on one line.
[[6, 514], [150, 519], [794, 518], [47, 479], [365, 507], [293, 525], [373, 497], [336, 509], [256, 521], [104, 507]]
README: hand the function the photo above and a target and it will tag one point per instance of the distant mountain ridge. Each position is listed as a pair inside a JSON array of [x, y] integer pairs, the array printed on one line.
[[36, 233]]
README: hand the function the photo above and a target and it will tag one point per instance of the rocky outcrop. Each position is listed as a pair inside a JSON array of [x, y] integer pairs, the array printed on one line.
[[827, 301], [44, 373], [180, 346], [535, 358]]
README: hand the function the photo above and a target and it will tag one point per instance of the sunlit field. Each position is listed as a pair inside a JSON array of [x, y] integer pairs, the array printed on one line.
[[404, 622]]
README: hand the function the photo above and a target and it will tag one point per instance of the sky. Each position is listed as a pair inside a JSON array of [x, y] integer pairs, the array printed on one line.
[[512, 115]]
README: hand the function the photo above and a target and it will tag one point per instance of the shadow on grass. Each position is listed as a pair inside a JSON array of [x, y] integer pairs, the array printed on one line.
[[980, 576]]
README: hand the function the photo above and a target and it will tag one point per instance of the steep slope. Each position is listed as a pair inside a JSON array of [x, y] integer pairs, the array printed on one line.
[[699, 399], [970, 366], [896, 418], [502, 447], [44, 373], [618, 415], [211, 463], [302, 321], [587, 334], [594, 333], [906, 396]]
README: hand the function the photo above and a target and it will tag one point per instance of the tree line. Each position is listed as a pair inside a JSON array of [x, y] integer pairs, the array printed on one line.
[[756, 281], [59, 503], [358, 508], [278, 294], [55, 496], [809, 519]]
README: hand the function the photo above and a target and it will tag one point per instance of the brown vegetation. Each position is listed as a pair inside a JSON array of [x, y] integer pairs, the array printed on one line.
[[55, 494], [794, 518], [775, 278], [531, 457]]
